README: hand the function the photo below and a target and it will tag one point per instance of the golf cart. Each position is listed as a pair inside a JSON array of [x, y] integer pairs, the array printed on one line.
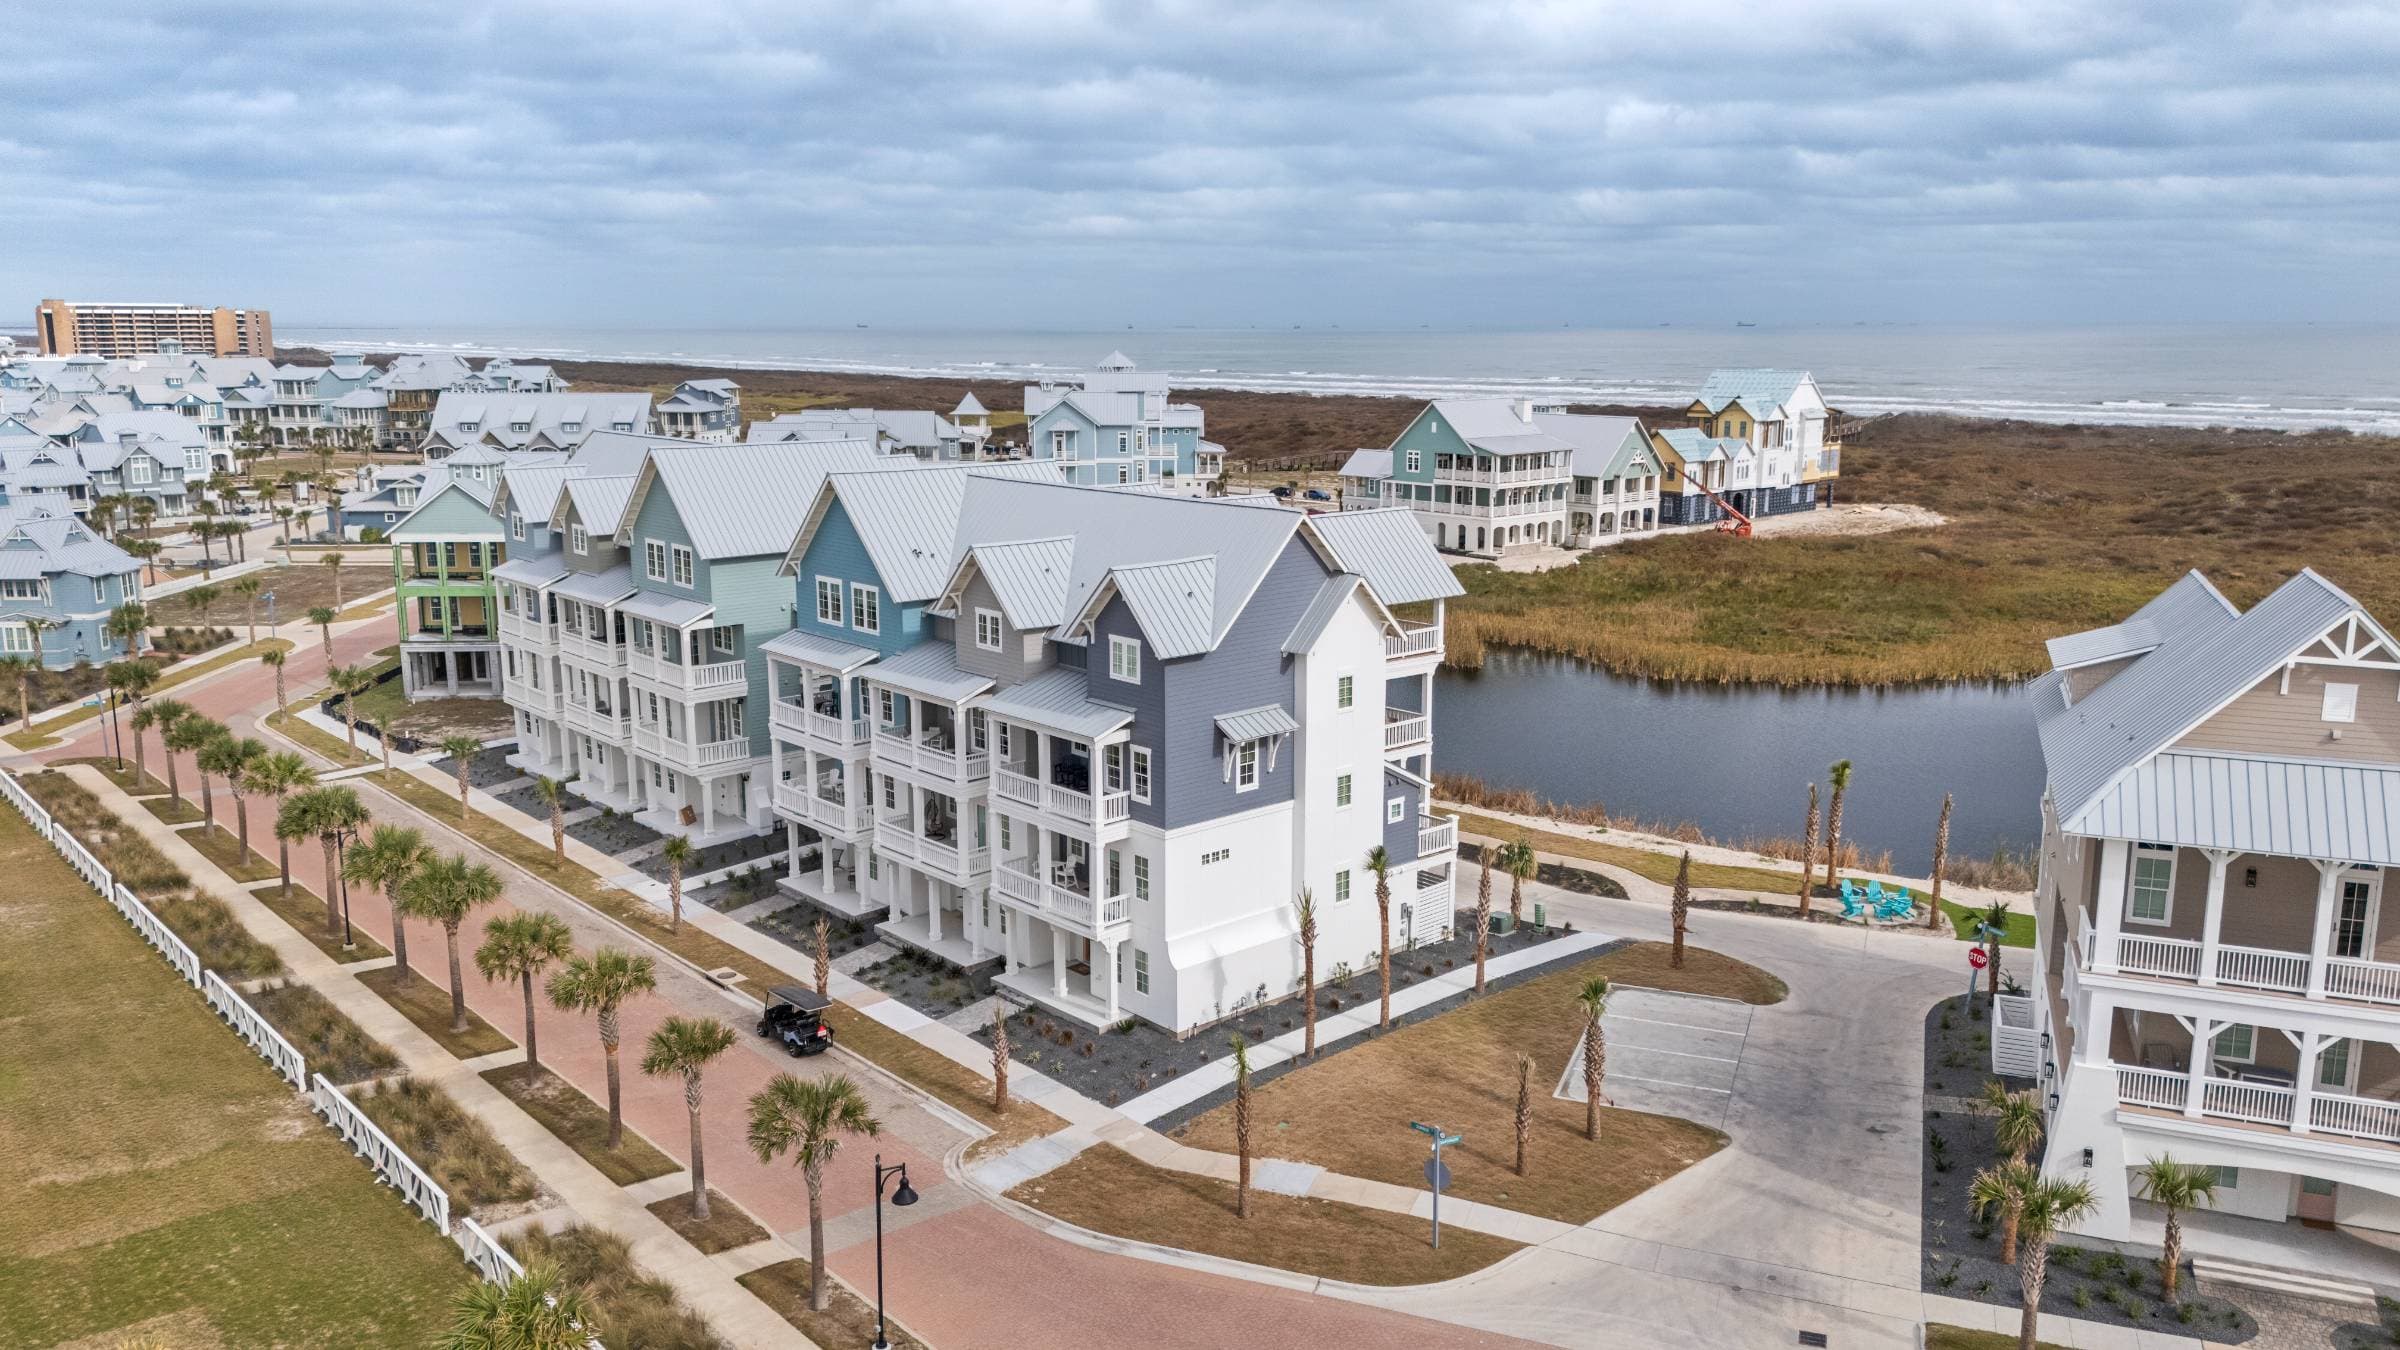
[[795, 1017]]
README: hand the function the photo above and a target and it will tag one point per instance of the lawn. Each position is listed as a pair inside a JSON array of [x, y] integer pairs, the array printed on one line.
[[850, 1320], [728, 1226], [1651, 864], [581, 1124], [168, 1181], [224, 848], [172, 810], [305, 912], [456, 1149], [1350, 1111], [1107, 1190], [1942, 1336], [297, 587], [634, 1309], [2020, 924], [427, 1004]]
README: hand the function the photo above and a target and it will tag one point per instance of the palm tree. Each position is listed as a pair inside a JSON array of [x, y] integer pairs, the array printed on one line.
[[1518, 859], [1483, 914], [554, 796], [35, 626], [335, 816], [21, 670], [1679, 906], [1592, 998], [2174, 1187], [1524, 1108], [1808, 856], [1994, 917], [277, 774], [350, 682], [164, 714], [198, 600], [538, 1310], [2017, 1128], [147, 550], [677, 851], [248, 588], [600, 984], [323, 618], [1840, 773], [283, 517], [999, 1057], [236, 758], [519, 947], [461, 750], [1380, 863], [273, 659], [1241, 1125], [333, 565], [129, 623], [807, 1118], [685, 1045], [386, 860], [447, 890], [145, 510], [824, 970], [205, 530], [1304, 910], [123, 677], [2044, 1205], [1941, 863], [190, 734]]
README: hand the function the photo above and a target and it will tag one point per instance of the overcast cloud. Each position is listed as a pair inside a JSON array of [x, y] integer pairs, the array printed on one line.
[[1001, 164]]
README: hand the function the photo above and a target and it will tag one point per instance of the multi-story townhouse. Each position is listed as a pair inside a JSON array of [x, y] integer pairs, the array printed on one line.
[[38, 471], [1118, 425], [59, 582], [122, 458], [703, 410], [1759, 444], [1485, 476], [443, 555], [510, 421], [925, 435], [2212, 978], [1130, 728]]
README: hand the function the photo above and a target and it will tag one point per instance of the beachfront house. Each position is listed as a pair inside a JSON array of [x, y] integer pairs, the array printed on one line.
[[59, 582], [443, 555], [702, 410], [516, 421], [1757, 444], [2212, 979], [1119, 425], [1483, 476]]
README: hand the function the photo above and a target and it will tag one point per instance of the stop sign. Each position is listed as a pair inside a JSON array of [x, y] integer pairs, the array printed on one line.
[[1976, 958]]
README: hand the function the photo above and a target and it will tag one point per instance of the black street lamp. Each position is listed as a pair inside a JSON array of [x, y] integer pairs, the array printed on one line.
[[905, 1195]]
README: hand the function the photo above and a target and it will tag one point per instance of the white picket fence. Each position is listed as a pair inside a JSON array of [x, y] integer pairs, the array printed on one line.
[[367, 1140], [255, 1030], [484, 1252], [153, 929]]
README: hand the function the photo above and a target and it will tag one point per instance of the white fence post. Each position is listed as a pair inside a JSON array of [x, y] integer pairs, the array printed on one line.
[[370, 1142], [484, 1252], [255, 1030]]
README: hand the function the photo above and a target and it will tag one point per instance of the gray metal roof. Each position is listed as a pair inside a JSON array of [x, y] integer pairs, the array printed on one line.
[[538, 571], [532, 488], [1492, 425], [1390, 550], [51, 545], [2191, 607], [673, 611], [821, 652], [1330, 599], [1252, 724], [741, 501], [2186, 679], [1368, 464], [600, 501], [1601, 443], [1029, 578], [930, 669], [2298, 809], [907, 514], [1060, 700], [598, 588], [1174, 602]]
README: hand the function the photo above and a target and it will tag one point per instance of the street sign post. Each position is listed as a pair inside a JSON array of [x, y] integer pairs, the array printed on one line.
[[1436, 1174], [1978, 958]]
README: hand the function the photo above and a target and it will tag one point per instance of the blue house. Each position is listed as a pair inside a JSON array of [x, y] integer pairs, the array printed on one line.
[[1118, 426], [59, 582]]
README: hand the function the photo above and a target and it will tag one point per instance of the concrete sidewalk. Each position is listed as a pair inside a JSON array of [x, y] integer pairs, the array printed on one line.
[[707, 1286]]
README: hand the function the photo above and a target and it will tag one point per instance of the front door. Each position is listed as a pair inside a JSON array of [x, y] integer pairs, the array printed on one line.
[[2316, 1201], [2354, 919]]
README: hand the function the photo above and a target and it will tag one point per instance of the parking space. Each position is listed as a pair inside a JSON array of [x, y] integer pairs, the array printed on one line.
[[1669, 1054]]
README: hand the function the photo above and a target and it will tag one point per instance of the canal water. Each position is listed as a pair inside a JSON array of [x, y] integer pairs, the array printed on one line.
[[1736, 760]]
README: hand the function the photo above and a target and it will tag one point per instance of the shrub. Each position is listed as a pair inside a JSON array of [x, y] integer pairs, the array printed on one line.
[[453, 1146], [332, 1043], [635, 1308]]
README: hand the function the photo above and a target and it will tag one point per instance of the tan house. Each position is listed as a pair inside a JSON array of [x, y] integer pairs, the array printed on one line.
[[2213, 978]]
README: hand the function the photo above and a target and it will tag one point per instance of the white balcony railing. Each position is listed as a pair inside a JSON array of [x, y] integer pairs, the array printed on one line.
[[897, 837], [2262, 968], [2256, 1103], [852, 817], [1013, 881], [2230, 1099], [1405, 730], [1023, 789], [802, 722], [516, 625], [2176, 958], [618, 728], [1437, 838], [590, 650], [2151, 1087], [2360, 1117], [791, 801], [898, 747], [2369, 981], [1414, 640], [2259, 968], [539, 702]]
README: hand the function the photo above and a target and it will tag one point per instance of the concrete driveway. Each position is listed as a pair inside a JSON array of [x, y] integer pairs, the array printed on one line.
[[1668, 1054], [1807, 1220]]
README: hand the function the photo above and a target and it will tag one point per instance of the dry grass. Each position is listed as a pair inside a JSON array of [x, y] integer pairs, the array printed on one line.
[[172, 810], [41, 736], [1942, 1336], [635, 1309], [305, 913], [222, 847], [298, 588], [135, 783], [581, 1124], [456, 1148], [1107, 1190], [1349, 1112], [1650, 864], [427, 1004], [848, 1320], [728, 1225], [332, 1044]]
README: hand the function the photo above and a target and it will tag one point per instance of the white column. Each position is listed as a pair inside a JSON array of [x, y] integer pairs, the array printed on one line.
[[1010, 934], [707, 792], [1106, 973], [933, 909], [2109, 899], [2320, 934], [2218, 860], [2304, 1084], [791, 848], [2204, 1045], [1058, 961]]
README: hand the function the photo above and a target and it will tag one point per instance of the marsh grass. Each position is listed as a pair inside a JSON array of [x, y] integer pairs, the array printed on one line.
[[456, 1148], [635, 1308], [332, 1044]]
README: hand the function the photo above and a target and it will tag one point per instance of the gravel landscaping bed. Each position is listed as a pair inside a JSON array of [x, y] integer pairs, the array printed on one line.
[[761, 849], [1134, 1057], [796, 927], [486, 766], [2113, 1283], [926, 983]]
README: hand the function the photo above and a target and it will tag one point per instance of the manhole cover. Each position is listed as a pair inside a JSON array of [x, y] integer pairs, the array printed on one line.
[[725, 975]]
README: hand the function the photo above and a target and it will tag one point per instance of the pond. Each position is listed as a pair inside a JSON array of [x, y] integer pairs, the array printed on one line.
[[1736, 760]]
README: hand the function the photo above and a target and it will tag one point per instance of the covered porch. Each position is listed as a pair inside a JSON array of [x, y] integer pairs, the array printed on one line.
[[712, 810], [1072, 975], [825, 872], [432, 666], [933, 915]]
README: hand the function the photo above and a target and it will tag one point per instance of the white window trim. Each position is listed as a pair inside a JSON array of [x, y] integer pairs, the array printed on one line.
[[2372, 878], [1245, 766], [1345, 691], [1138, 771], [1343, 890], [1125, 660], [1141, 877], [2348, 1082], [866, 603], [577, 539], [1416, 461], [829, 588], [680, 569], [988, 618], [2341, 703], [1345, 790], [2132, 871], [1395, 810], [654, 560], [2216, 1051]]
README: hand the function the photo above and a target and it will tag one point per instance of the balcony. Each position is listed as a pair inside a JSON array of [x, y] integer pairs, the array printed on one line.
[[516, 626], [539, 702], [794, 802], [1015, 882], [899, 839], [1067, 807], [802, 722], [690, 756], [682, 678], [2260, 968], [617, 728], [895, 746], [2247, 1104], [1422, 639], [590, 650], [461, 635], [1404, 730], [1437, 838]]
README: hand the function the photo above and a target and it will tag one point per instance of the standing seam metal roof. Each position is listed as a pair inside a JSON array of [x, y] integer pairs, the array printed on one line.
[[1390, 550], [2297, 809], [1174, 602], [1061, 700]]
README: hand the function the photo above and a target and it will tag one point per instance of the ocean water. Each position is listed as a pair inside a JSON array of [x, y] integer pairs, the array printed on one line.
[[2295, 377]]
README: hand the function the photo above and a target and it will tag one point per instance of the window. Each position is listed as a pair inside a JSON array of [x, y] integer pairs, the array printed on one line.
[[1141, 971], [987, 629], [1140, 758], [654, 560], [2354, 919], [25, 589], [15, 637], [1215, 856], [137, 469], [1124, 443], [2333, 1065], [1245, 767], [829, 601], [1141, 877], [1341, 887], [978, 731], [516, 527], [1124, 474], [1112, 768], [1341, 790], [866, 609], [885, 704], [577, 539], [2229, 1178], [2233, 1043], [1416, 461], [720, 640], [1345, 691], [1125, 660], [1007, 833], [2152, 899], [1116, 880], [681, 560], [1395, 810], [2341, 703]]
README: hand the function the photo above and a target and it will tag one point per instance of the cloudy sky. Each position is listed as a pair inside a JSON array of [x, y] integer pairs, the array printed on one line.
[[720, 163]]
